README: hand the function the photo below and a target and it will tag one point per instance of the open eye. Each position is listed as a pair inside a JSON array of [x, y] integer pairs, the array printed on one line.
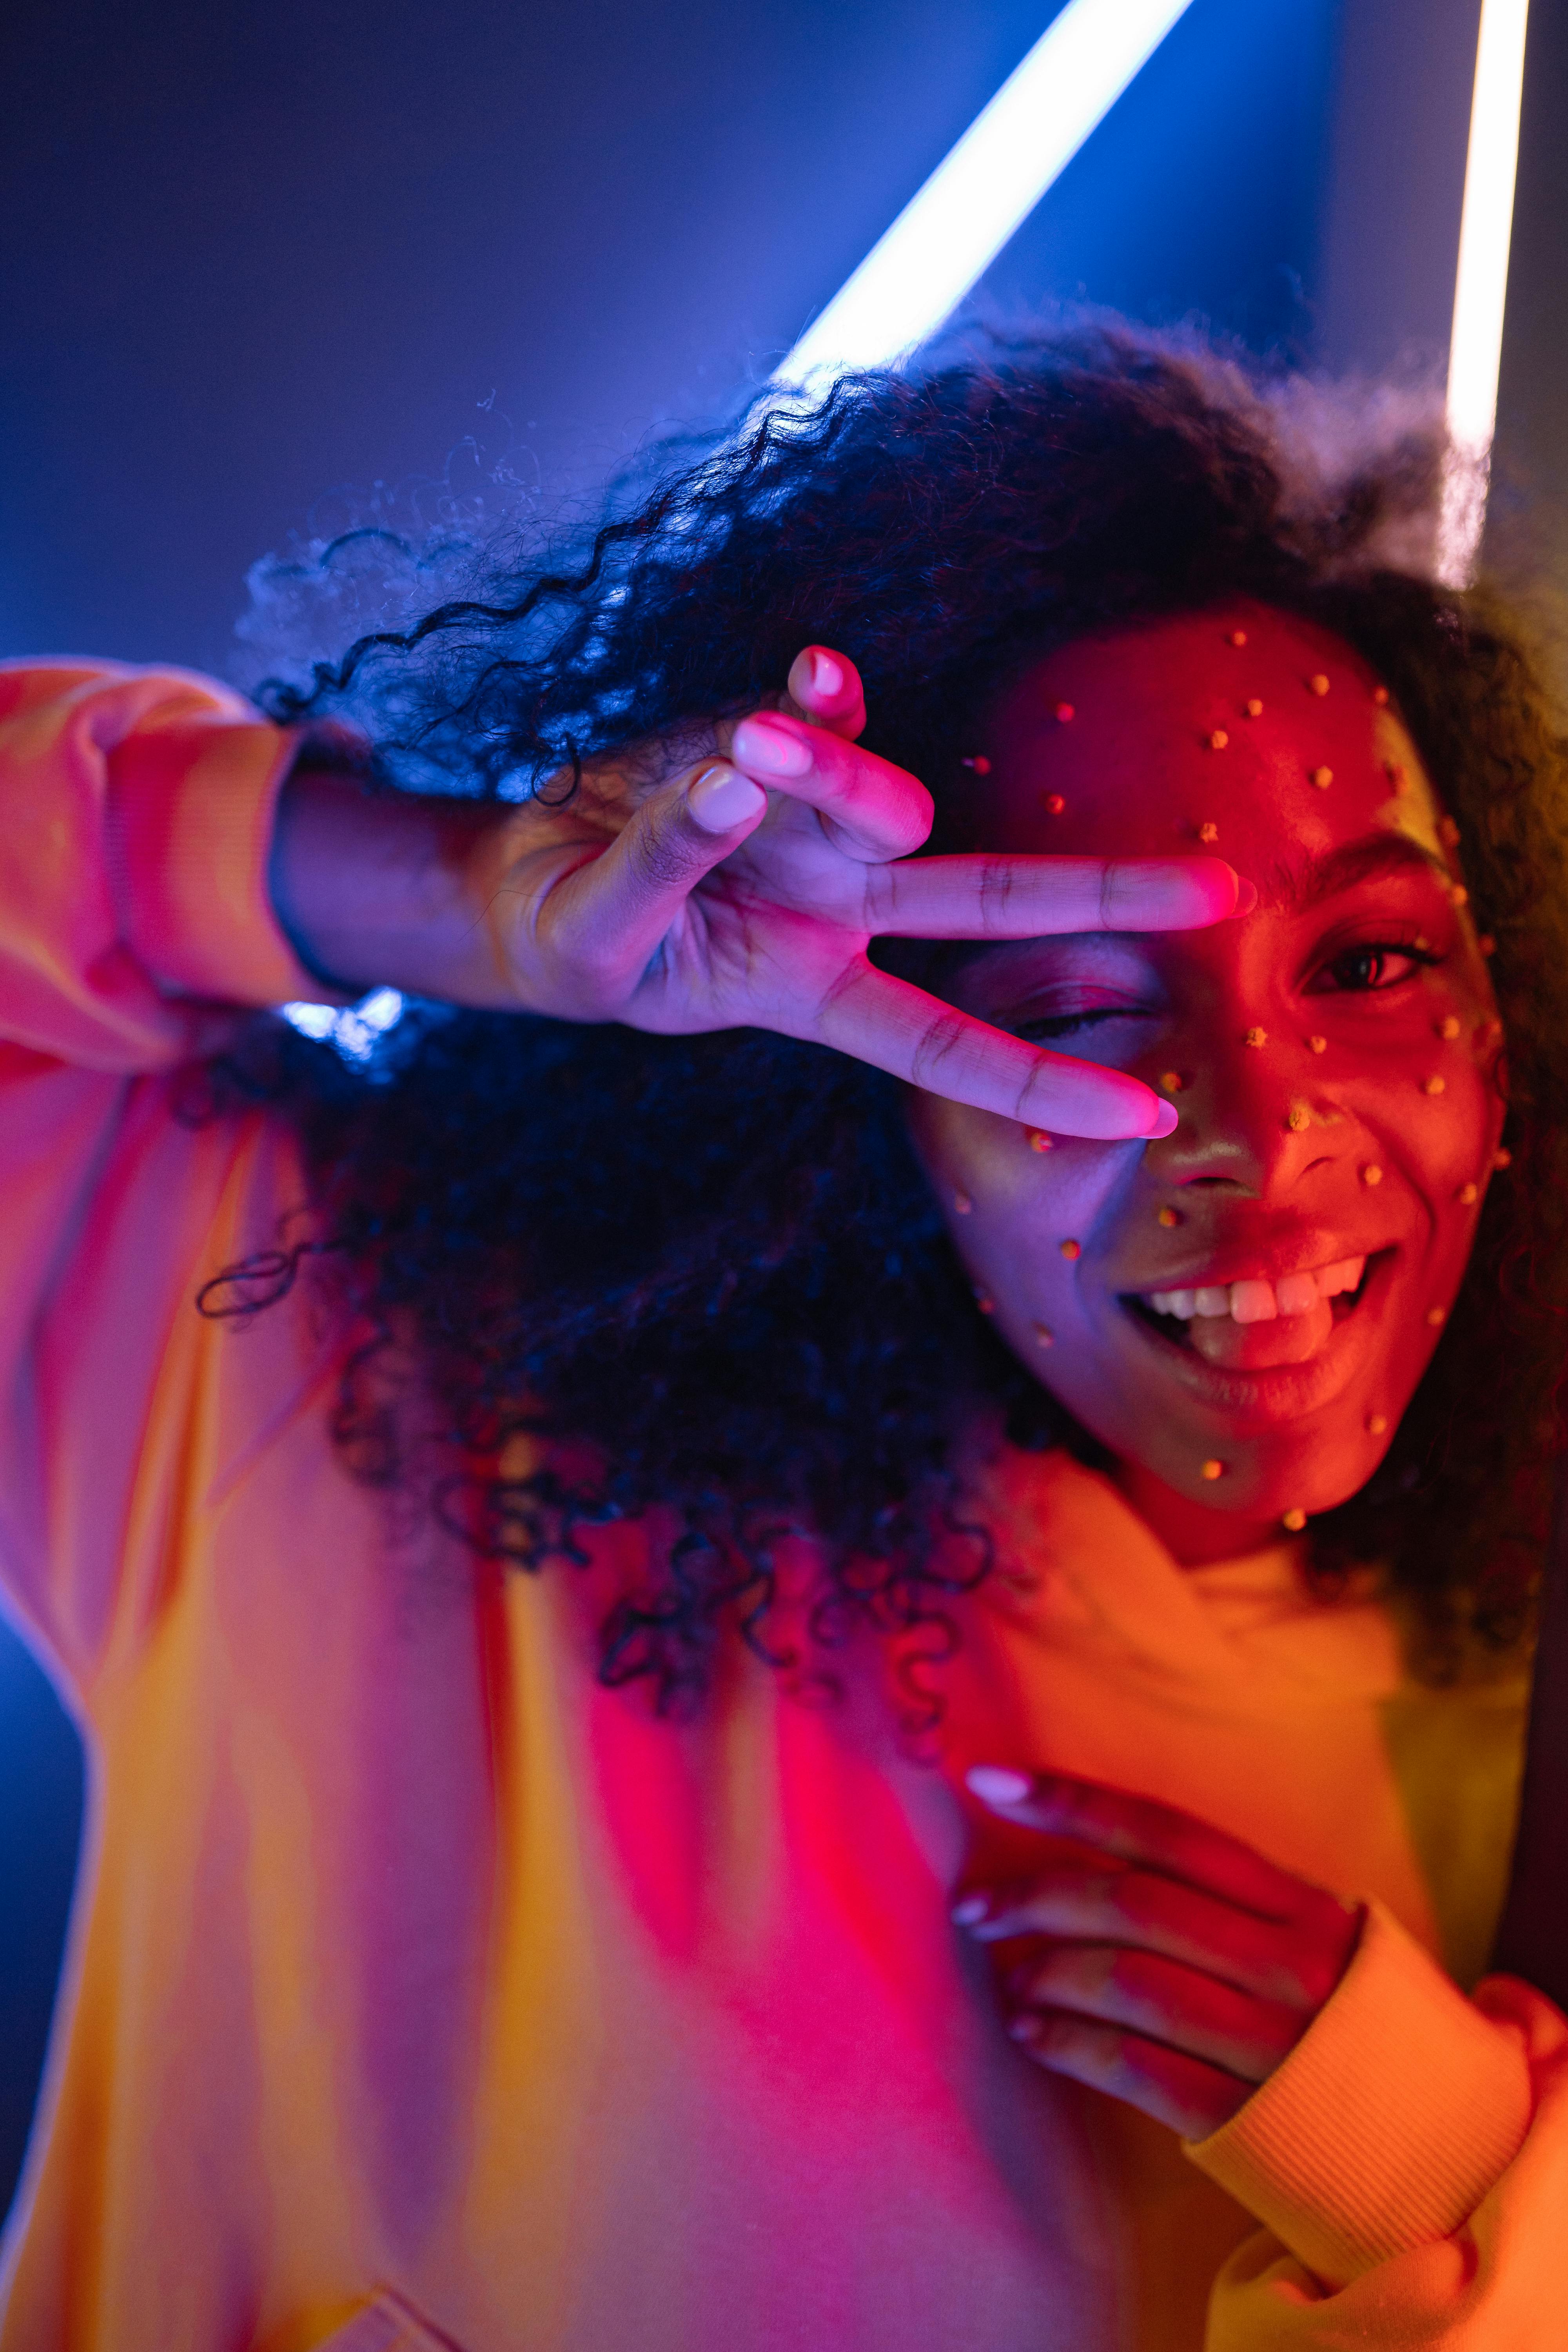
[[1375, 965]]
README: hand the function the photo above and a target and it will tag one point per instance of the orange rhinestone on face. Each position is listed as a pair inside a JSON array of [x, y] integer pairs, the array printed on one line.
[[1467, 1196], [1170, 1082], [1376, 1423], [1070, 1250], [1238, 636], [1319, 1045], [1066, 713], [1434, 1085], [1502, 1158], [1435, 1315], [1213, 1469], [1295, 1520], [1322, 778], [1297, 1118], [1449, 1026], [1037, 1140], [1318, 684], [1208, 831], [1372, 1174], [1254, 708], [1217, 739], [1054, 804], [1380, 695], [1256, 1037], [1168, 1217], [1458, 895]]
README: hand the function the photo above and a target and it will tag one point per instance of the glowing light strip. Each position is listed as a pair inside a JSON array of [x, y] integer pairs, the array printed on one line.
[[950, 232], [1480, 286]]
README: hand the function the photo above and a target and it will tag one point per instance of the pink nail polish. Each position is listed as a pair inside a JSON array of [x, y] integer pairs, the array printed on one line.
[[760, 742], [1167, 1119], [826, 677]]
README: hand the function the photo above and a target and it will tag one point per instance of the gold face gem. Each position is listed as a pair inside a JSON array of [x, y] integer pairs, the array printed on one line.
[[1434, 1085], [1253, 707], [1217, 739], [1376, 1423], [1037, 1140], [1319, 1045], [1238, 636], [1435, 1315], [1449, 1026], [1295, 1520], [1297, 1118], [1318, 684], [1168, 1216], [1213, 1469], [1322, 778], [1380, 695], [1373, 1175], [1502, 1158], [1066, 713], [1256, 1037], [1070, 1250], [1208, 831], [1054, 804], [1467, 1196], [1170, 1082]]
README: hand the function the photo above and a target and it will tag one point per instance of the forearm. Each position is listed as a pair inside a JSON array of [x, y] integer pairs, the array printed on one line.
[[386, 891]]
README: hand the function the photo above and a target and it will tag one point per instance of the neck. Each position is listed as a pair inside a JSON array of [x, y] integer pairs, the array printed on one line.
[[1192, 1533]]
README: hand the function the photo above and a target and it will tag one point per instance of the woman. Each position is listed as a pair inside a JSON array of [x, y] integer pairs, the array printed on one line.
[[976, 1833]]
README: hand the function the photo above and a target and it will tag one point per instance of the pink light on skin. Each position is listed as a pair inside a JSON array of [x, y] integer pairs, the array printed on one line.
[[1352, 966]]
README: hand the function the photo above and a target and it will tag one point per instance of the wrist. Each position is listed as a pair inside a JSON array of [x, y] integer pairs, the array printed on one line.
[[388, 890]]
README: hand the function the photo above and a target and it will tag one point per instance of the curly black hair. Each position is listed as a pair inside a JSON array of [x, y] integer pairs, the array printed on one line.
[[705, 1275]]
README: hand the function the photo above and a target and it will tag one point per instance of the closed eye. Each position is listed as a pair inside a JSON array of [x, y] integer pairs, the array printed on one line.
[[1064, 1025]]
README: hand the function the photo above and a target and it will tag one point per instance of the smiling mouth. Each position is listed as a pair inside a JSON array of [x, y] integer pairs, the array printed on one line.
[[1340, 1284]]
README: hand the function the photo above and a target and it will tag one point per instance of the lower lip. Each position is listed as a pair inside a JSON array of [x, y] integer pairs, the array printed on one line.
[[1264, 1398]]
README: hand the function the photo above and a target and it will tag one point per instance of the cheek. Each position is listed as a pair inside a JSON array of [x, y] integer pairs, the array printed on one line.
[[1016, 1214]]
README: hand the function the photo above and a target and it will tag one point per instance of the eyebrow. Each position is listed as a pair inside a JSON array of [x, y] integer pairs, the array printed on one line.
[[1307, 885]]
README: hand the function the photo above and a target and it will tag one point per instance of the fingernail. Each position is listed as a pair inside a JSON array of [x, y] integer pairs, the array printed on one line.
[[719, 799], [993, 1785], [1245, 896], [972, 1908], [826, 677], [762, 744], [1166, 1120]]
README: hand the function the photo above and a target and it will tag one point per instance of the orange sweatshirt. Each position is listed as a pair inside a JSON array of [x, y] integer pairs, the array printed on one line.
[[422, 1992]]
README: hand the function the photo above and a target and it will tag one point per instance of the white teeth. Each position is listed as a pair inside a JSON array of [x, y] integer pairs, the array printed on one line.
[[1257, 1301]]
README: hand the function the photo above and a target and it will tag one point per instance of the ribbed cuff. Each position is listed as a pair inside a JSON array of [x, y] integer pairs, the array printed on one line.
[[192, 808], [1388, 2121]]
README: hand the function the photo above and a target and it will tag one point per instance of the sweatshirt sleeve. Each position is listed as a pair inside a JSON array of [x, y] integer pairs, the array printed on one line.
[[1409, 2161], [135, 815], [136, 810]]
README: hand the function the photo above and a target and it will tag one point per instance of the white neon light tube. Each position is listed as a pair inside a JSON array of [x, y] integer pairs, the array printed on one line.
[[950, 232], [1480, 285]]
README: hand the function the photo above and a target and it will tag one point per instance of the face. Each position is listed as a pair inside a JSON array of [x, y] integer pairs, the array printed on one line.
[[1241, 1310]]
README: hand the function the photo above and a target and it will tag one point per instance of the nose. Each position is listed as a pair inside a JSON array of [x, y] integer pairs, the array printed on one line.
[[1255, 1114]]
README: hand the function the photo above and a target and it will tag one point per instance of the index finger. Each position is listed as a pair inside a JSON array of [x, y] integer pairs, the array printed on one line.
[[993, 896], [1141, 1830]]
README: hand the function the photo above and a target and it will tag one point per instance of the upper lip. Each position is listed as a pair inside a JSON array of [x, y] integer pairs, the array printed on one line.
[[1256, 1264]]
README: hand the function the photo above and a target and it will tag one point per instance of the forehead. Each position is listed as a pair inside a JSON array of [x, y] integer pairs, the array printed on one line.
[[1242, 729]]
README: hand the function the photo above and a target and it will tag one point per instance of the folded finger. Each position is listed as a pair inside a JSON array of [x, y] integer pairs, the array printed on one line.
[[1183, 2007], [871, 809], [993, 897], [1189, 2095], [899, 1028], [1137, 1908], [826, 687], [1142, 1829]]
